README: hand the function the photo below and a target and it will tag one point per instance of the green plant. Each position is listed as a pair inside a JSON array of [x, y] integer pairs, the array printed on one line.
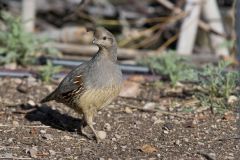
[[171, 65], [48, 71], [16, 45], [217, 85]]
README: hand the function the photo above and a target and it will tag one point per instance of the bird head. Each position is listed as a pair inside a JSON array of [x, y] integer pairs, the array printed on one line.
[[104, 39]]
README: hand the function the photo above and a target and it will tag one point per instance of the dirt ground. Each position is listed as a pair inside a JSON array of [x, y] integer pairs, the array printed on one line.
[[29, 130]]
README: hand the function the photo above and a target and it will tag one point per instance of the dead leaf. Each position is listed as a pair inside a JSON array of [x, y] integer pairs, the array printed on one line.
[[148, 148]]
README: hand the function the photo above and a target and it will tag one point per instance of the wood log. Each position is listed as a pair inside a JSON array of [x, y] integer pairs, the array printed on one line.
[[189, 28], [28, 14], [123, 53], [212, 14], [90, 50], [68, 35]]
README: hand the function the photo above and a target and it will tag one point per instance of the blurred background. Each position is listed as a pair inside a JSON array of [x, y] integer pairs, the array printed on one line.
[[202, 30]]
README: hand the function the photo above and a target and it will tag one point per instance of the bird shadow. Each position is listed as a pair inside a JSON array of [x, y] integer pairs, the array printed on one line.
[[50, 117]]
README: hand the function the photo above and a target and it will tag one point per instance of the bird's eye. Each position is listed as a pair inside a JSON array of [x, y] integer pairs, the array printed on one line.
[[104, 38]]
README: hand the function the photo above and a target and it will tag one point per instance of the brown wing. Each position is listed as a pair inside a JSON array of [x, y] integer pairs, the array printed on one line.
[[78, 88]]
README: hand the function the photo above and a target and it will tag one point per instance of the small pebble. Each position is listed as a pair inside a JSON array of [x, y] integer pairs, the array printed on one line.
[[185, 139], [47, 136], [31, 103], [67, 150], [15, 123], [177, 142], [43, 131], [168, 126], [107, 126], [128, 110], [67, 137], [117, 136], [10, 140], [102, 134], [33, 152], [52, 152], [149, 106], [232, 99]]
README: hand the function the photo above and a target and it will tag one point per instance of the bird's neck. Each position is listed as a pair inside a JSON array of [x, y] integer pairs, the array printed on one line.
[[110, 53]]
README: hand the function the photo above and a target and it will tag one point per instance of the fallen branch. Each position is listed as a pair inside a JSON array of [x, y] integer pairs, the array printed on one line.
[[90, 50], [155, 110], [124, 53]]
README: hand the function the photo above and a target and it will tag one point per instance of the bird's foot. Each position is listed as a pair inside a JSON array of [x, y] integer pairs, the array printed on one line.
[[91, 136]]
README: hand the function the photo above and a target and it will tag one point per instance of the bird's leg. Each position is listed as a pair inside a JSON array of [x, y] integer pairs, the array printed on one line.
[[83, 126], [88, 118]]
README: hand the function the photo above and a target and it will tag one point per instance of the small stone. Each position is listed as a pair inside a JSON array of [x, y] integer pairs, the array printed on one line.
[[67, 137], [191, 124], [52, 152], [213, 156], [149, 106], [124, 148], [33, 152], [232, 99], [185, 139], [15, 123], [154, 118], [47, 136], [128, 110], [101, 159], [23, 88], [168, 126], [43, 131], [177, 142], [107, 126], [159, 121], [102, 134], [229, 116], [200, 143], [10, 140], [31, 103], [165, 131], [67, 150], [170, 109], [117, 136]]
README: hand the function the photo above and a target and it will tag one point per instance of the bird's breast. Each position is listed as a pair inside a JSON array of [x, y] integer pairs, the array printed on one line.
[[98, 98]]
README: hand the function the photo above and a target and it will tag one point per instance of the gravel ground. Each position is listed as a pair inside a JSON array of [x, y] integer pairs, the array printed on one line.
[[29, 130]]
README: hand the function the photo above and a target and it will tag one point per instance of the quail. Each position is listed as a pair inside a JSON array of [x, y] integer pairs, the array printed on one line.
[[93, 84]]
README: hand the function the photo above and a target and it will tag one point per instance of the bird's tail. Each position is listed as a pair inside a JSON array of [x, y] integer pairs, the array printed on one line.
[[50, 97]]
